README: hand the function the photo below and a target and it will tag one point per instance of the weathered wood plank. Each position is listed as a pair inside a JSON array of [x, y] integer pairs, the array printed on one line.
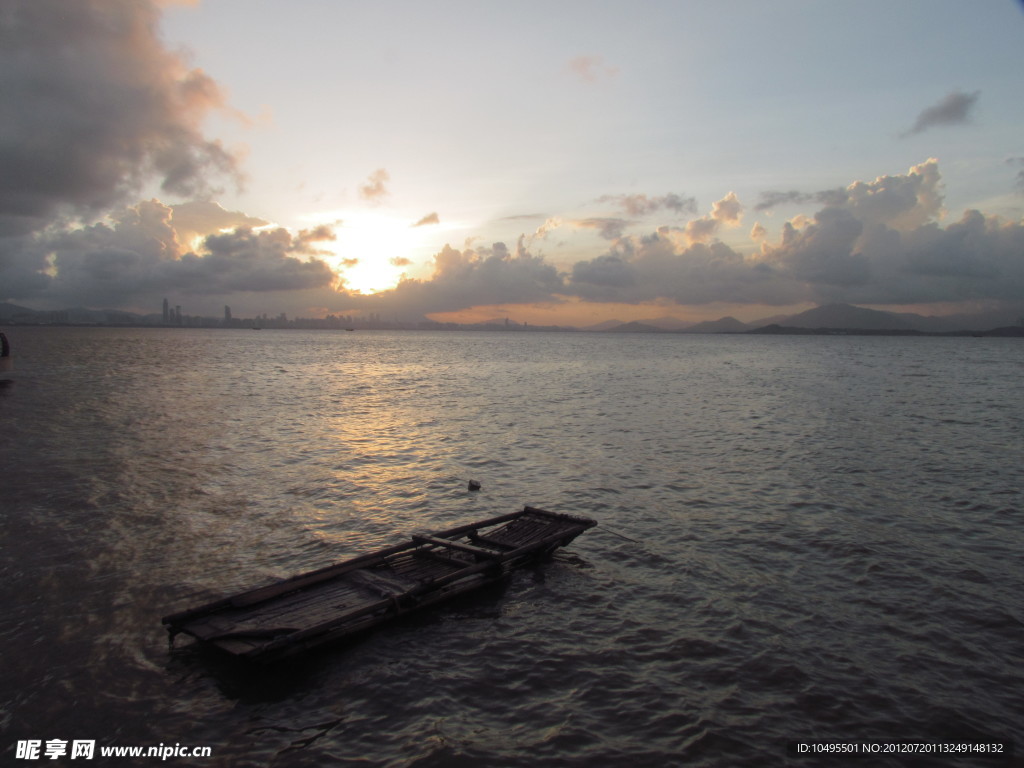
[[423, 538], [490, 541]]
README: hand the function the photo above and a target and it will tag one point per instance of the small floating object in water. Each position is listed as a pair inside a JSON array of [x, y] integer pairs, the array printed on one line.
[[474, 485]]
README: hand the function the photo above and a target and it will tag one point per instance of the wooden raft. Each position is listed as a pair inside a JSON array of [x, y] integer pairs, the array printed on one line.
[[311, 609]]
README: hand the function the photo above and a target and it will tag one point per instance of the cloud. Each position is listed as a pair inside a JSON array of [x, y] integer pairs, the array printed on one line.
[[524, 217], [872, 242], [136, 257], [1018, 161], [660, 267], [905, 200], [374, 190], [608, 228], [430, 218], [701, 230], [642, 205], [955, 109], [902, 202], [197, 219], [728, 211], [773, 198], [884, 245], [467, 278], [549, 225], [823, 253], [879, 242], [94, 105], [591, 69]]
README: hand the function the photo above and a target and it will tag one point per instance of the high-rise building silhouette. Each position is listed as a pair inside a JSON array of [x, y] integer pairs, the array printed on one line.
[[167, 313]]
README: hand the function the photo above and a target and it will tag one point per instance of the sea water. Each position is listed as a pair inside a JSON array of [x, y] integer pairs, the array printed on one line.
[[801, 538]]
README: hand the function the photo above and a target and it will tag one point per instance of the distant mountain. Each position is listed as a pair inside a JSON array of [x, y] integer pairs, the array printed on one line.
[[8, 311], [607, 325], [722, 325], [669, 323], [635, 328], [852, 318], [660, 323], [75, 315], [847, 316], [982, 321], [773, 320]]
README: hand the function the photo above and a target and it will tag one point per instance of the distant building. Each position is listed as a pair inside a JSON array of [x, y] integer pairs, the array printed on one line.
[[227, 315], [167, 313]]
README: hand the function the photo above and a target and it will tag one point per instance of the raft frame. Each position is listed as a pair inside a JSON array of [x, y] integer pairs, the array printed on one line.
[[312, 609]]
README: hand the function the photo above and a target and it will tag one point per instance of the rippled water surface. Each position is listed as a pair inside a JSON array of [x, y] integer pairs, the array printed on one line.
[[800, 538]]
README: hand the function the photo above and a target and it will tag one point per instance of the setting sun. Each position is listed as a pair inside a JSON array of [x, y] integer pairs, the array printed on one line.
[[383, 248]]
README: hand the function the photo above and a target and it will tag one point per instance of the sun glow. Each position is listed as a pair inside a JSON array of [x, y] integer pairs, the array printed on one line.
[[374, 250]]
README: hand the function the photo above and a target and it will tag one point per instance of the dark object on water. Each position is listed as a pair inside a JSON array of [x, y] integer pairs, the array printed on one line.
[[311, 609], [6, 361], [474, 485]]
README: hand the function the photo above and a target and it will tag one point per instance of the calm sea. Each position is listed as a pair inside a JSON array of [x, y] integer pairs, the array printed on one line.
[[801, 538]]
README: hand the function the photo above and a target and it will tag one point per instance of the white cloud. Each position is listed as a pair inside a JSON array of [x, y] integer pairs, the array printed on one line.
[[375, 189]]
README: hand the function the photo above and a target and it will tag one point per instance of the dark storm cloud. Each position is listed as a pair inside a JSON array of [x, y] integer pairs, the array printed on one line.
[[92, 105], [955, 109]]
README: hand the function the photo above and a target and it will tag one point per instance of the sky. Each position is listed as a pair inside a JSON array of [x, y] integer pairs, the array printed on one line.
[[552, 163]]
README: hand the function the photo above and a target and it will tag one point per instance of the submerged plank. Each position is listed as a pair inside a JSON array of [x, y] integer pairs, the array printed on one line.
[[321, 606]]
